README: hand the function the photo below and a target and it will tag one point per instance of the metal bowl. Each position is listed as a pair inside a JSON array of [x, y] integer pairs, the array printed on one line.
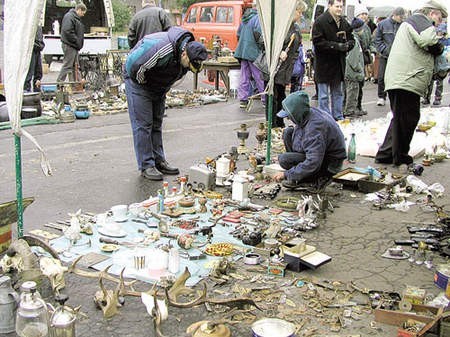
[[270, 327]]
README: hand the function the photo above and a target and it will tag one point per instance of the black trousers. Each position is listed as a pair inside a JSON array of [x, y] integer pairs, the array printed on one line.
[[381, 70], [279, 94], [405, 106]]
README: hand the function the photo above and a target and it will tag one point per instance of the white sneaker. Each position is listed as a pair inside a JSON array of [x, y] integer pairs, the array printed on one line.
[[381, 102]]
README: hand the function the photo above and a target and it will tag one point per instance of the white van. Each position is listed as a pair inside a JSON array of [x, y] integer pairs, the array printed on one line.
[[321, 6]]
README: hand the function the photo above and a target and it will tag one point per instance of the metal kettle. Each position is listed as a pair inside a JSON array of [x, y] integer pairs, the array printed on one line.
[[8, 305], [63, 319]]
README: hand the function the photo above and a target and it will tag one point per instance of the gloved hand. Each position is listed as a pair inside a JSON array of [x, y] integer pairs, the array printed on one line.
[[341, 46], [350, 45]]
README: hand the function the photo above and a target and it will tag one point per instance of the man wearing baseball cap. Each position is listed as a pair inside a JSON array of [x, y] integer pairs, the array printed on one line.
[[156, 62], [315, 145]]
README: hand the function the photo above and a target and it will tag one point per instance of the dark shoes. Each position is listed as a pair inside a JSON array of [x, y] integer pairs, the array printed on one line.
[[152, 173], [243, 104], [437, 102], [165, 168], [425, 101], [312, 186], [384, 161]]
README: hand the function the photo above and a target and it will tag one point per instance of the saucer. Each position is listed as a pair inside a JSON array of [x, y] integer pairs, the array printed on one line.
[[109, 248], [116, 234]]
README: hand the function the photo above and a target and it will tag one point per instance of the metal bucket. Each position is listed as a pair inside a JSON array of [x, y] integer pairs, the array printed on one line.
[[270, 327], [31, 100]]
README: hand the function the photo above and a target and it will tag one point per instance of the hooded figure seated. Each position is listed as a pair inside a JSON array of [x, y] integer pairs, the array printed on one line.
[[315, 146]]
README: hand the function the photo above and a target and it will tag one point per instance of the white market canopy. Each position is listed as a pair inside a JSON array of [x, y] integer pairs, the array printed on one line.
[[20, 25]]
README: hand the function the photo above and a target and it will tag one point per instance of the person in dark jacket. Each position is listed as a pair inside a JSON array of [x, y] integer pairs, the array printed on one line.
[[72, 40], [247, 50], [150, 19], [34, 75], [156, 62], [315, 146], [384, 38], [332, 39], [288, 56]]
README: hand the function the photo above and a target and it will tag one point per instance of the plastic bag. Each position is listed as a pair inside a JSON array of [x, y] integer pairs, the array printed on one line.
[[417, 185]]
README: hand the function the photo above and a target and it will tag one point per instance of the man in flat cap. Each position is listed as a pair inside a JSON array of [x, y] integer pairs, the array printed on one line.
[[408, 73], [156, 62]]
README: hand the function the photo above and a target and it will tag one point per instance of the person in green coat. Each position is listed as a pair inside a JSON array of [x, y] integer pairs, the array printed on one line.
[[354, 71], [408, 73]]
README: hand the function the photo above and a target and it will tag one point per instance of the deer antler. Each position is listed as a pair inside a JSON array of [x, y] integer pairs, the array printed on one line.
[[96, 274], [107, 300], [179, 288]]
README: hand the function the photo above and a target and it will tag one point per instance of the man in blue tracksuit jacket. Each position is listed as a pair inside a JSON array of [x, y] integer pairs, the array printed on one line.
[[315, 146], [152, 67]]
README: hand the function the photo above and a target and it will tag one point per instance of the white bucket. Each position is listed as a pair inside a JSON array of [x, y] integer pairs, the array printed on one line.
[[235, 78]]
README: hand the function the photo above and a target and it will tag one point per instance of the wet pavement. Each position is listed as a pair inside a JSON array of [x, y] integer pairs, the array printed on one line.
[[94, 168]]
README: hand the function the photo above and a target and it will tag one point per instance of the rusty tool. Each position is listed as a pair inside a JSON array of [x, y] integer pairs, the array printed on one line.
[[102, 239]]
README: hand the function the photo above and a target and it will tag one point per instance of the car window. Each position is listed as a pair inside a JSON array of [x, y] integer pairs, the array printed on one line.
[[206, 14], [192, 16], [224, 15]]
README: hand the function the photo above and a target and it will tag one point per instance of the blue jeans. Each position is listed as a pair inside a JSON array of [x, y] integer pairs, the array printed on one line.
[[146, 115], [333, 89]]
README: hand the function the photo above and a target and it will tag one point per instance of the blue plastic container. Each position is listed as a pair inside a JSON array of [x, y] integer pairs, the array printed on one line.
[[122, 43]]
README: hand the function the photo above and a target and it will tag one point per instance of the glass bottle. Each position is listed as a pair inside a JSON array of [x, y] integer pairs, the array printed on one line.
[[32, 315], [351, 153]]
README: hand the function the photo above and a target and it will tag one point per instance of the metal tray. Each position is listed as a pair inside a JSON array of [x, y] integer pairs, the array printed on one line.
[[349, 177]]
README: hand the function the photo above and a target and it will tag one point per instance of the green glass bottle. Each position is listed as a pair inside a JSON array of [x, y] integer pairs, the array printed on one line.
[[351, 152]]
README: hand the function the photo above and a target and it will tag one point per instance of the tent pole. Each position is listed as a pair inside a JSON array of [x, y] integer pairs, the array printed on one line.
[[270, 98], [17, 146]]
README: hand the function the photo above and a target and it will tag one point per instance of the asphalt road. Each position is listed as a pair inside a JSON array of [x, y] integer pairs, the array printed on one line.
[[94, 168]]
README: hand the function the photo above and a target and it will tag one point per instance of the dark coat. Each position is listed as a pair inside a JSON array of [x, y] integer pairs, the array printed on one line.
[[72, 30], [284, 73], [149, 20], [330, 61], [385, 35]]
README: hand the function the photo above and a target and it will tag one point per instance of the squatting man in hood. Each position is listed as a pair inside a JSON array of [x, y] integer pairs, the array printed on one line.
[[315, 145]]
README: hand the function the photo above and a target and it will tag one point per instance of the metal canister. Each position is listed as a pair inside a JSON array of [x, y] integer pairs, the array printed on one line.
[[62, 322], [8, 305]]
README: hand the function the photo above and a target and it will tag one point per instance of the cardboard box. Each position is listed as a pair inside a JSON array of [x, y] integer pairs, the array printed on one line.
[[419, 312]]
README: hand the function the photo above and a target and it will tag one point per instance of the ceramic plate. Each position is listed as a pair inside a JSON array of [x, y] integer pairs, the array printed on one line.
[[118, 234], [109, 248]]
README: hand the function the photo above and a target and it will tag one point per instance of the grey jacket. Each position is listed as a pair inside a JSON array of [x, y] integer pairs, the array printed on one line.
[[148, 20]]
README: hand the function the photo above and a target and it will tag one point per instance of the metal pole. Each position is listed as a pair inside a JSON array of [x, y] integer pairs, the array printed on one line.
[[270, 98], [18, 153]]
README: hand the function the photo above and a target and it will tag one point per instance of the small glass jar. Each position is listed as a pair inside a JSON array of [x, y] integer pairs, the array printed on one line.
[[32, 315]]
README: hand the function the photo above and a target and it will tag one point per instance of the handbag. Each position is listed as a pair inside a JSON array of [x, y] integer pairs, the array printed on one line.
[[261, 63]]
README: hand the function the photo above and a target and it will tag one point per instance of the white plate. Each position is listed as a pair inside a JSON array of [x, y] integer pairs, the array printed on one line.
[[118, 234]]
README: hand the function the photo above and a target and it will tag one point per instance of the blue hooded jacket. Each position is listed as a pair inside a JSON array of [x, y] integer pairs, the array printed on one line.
[[247, 48], [318, 136], [155, 60]]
